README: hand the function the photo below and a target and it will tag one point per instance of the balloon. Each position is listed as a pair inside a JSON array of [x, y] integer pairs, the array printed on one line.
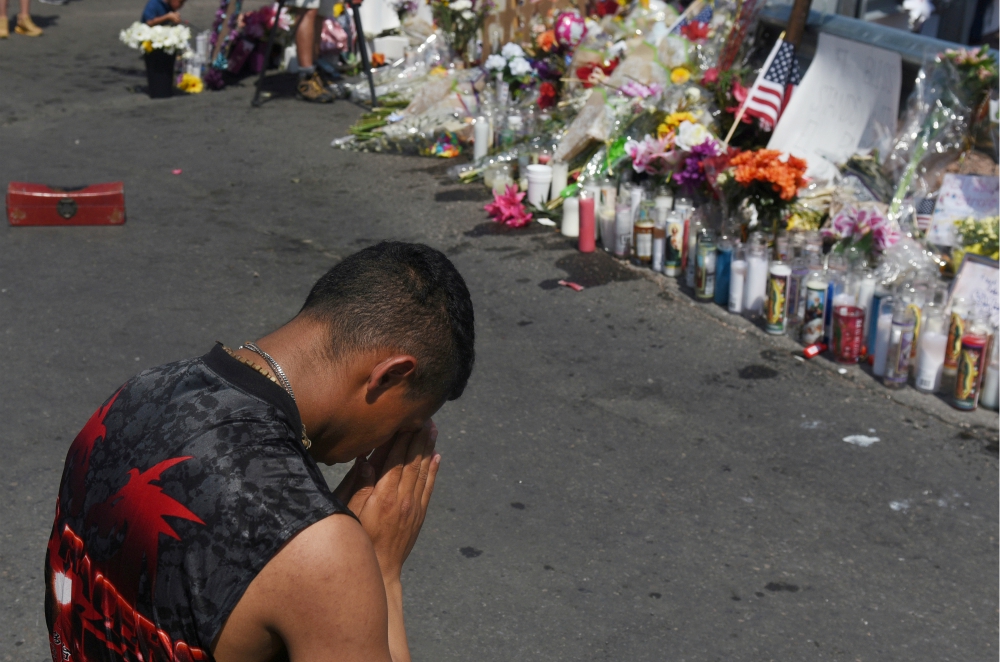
[[570, 29]]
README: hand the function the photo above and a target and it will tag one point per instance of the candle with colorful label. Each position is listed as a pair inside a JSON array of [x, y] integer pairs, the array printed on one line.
[[776, 316], [848, 333], [674, 245], [704, 286], [970, 366]]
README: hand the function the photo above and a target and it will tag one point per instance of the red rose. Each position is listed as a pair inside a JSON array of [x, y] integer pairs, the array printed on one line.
[[711, 76], [695, 31], [546, 95]]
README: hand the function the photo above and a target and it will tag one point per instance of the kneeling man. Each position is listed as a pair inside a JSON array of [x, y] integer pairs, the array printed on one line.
[[192, 521]]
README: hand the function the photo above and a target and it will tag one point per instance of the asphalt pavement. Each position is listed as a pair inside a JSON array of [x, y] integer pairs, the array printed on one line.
[[628, 476]]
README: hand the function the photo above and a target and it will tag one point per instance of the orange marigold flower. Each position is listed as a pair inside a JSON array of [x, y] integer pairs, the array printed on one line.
[[547, 40]]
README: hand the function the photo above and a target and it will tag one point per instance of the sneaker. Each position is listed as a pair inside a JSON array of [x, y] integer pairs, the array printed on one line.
[[312, 89], [27, 27]]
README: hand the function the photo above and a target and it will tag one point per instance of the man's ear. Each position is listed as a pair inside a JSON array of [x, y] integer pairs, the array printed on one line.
[[391, 372]]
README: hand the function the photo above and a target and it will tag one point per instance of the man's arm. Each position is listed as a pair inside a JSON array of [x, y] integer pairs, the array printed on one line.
[[171, 17], [320, 598], [334, 592]]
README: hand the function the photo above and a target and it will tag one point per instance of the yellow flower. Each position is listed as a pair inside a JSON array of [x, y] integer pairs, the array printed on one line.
[[147, 46], [674, 119], [680, 75], [338, 9], [191, 84], [438, 71]]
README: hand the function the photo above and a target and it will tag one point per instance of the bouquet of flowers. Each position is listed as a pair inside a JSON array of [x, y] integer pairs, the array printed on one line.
[[460, 20], [169, 39], [862, 227], [257, 25], [513, 65], [765, 179], [978, 236]]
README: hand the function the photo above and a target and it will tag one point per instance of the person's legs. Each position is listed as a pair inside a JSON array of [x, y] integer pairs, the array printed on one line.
[[305, 39], [25, 26], [4, 20]]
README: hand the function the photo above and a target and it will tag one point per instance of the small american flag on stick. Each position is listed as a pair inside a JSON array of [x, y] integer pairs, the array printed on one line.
[[774, 85]]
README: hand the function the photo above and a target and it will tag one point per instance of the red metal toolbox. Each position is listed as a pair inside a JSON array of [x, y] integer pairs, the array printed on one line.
[[37, 204]]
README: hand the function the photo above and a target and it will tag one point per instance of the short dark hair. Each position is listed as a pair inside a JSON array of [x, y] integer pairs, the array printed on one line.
[[408, 297]]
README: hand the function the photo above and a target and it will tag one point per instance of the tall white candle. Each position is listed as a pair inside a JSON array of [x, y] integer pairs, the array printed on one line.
[[737, 276], [866, 292], [930, 360], [635, 199], [844, 299], [988, 396], [560, 178], [571, 217], [482, 137], [756, 284], [883, 331]]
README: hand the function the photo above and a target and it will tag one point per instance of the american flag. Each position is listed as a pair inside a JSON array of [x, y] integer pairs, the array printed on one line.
[[773, 89], [704, 16]]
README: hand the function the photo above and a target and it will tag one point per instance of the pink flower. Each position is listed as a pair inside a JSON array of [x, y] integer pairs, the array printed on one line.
[[508, 208], [652, 155], [636, 89], [711, 76]]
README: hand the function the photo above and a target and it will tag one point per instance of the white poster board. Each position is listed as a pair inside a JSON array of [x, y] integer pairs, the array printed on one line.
[[978, 280], [847, 101], [962, 196]]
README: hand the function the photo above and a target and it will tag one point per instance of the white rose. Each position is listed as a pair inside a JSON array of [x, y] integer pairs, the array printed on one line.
[[512, 50], [519, 66], [468, 15], [673, 51], [496, 62], [460, 5], [693, 94], [690, 135]]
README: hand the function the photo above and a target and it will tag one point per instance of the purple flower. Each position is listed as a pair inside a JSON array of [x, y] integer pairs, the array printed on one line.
[[693, 174]]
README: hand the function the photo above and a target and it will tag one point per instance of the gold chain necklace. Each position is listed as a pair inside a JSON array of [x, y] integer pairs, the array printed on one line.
[[306, 441]]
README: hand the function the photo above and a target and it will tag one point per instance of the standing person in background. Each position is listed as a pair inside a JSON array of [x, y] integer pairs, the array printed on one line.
[[24, 24], [307, 29], [160, 12]]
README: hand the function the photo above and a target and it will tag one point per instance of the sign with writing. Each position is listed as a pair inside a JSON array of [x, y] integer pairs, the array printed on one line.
[[847, 101], [978, 280], [962, 196]]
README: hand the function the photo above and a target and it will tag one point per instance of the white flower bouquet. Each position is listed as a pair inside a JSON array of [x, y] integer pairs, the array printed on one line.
[[513, 64], [172, 40]]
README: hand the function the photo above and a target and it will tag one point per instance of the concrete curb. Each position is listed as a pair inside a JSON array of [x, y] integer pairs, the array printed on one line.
[[982, 423]]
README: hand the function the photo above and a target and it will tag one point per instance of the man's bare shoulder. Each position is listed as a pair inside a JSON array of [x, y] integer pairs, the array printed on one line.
[[320, 598]]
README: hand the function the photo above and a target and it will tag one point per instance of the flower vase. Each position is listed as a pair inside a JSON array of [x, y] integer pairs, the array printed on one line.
[[160, 73]]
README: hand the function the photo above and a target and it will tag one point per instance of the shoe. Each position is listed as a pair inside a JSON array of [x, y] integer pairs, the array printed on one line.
[[312, 89], [4, 28], [27, 27]]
